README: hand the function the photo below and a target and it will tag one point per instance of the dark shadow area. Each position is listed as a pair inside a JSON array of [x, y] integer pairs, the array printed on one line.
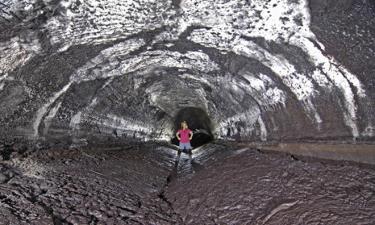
[[198, 121]]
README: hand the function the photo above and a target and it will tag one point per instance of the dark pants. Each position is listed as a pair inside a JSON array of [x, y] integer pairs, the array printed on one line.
[[185, 146]]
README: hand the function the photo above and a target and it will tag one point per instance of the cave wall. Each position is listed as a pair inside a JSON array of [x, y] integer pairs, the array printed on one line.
[[277, 70]]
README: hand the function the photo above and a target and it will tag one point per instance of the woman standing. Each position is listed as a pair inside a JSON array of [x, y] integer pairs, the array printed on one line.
[[184, 135]]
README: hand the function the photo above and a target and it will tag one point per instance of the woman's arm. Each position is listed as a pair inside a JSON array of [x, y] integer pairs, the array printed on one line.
[[191, 135], [178, 137]]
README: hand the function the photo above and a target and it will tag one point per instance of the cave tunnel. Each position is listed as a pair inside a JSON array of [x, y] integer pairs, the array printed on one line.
[[279, 94], [198, 121]]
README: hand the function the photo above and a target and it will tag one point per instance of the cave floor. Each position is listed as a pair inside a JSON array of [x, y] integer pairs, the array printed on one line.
[[151, 184]]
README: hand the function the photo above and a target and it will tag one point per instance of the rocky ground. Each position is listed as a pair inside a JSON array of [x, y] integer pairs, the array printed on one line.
[[152, 184], [112, 186]]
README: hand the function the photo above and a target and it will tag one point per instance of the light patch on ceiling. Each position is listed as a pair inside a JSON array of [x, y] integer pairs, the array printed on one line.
[[263, 129], [101, 21], [48, 119], [121, 125], [46, 108], [15, 52]]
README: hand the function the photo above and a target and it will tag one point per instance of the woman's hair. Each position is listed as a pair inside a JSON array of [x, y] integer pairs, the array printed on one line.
[[183, 122]]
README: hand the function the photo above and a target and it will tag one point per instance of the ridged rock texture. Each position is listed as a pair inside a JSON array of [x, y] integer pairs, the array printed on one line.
[[275, 70]]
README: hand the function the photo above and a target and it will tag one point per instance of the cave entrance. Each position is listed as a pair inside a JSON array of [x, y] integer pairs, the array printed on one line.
[[198, 121]]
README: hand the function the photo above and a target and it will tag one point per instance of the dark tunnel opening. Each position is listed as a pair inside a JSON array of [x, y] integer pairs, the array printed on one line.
[[198, 121]]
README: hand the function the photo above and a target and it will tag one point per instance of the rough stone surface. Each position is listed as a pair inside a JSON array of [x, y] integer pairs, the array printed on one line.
[[245, 186], [111, 186], [82, 71], [152, 184]]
